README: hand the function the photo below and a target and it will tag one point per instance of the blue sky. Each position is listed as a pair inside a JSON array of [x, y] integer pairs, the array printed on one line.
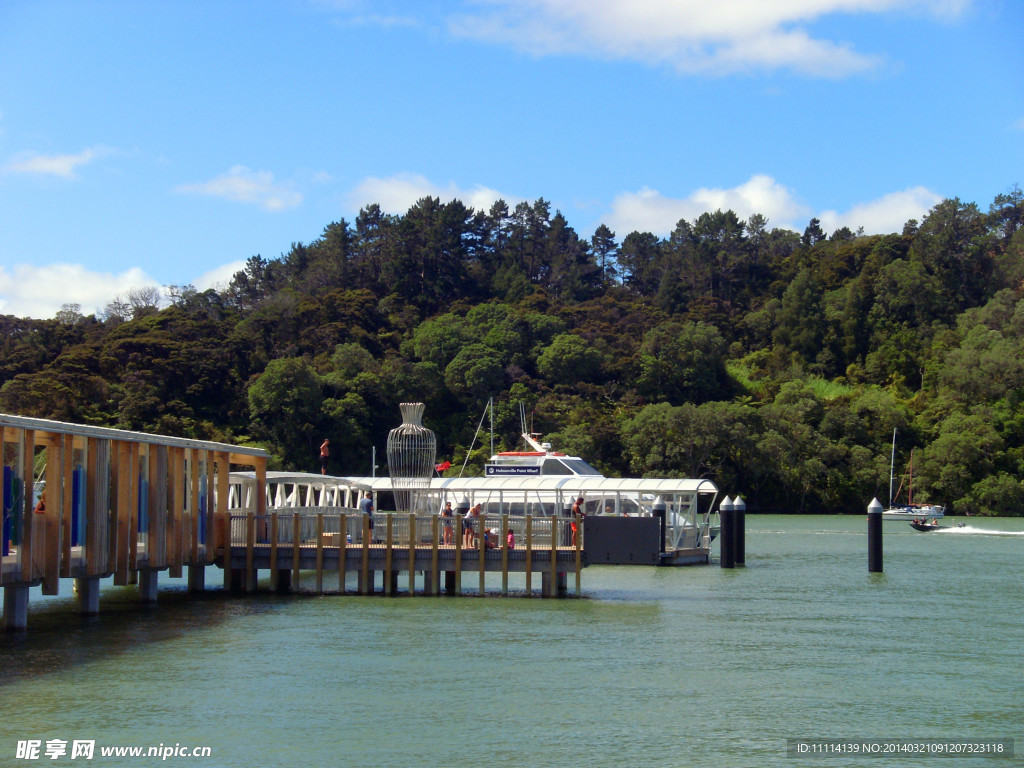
[[153, 144]]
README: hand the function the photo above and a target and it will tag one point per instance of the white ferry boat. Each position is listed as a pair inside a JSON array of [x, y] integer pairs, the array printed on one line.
[[539, 482]]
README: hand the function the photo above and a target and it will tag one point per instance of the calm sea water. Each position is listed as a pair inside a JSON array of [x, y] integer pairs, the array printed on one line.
[[694, 666]]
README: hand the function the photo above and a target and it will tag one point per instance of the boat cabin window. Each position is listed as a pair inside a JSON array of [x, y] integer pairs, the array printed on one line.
[[554, 467], [580, 467], [567, 467]]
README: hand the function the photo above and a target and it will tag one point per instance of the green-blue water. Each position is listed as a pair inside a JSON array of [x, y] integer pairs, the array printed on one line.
[[657, 666]]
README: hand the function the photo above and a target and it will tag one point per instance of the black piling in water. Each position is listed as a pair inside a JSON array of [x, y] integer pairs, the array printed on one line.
[[727, 514], [658, 509], [874, 537], [740, 511]]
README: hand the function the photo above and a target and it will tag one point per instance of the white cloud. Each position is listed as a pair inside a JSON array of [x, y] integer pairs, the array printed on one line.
[[687, 35], [886, 214], [63, 166], [219, 277], [650, 211], [400, 192], [33, 291], [242, 185]]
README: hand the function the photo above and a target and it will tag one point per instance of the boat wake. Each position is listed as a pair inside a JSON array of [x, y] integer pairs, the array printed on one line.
[[968, 530]]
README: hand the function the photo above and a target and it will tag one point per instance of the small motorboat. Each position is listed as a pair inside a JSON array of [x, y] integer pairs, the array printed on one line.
[[922, 524]]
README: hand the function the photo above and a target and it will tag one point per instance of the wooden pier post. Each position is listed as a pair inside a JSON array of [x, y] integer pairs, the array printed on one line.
[[435, 574], [319, 553], [412, 553], [296, 548], [504, 555], [481, 541], [274, 568], [365, 584], [342, 552], [553, 578], [458, 555], [529, 555], [16, 606], [389, 584], [250, 552], [149, 580]]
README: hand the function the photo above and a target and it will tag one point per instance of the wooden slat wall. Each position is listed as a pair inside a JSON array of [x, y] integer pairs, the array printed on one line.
[[54, 508], [27, 540], [176, 512], [66, 473], [138, 462]]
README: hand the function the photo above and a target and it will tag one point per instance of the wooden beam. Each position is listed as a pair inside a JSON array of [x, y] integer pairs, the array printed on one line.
[[296, 549], [364, 587], [459, 535], [319, 553], [553, 583], [579, 553], [435, 574], [389, 585], [504, 554], [481, 541], [54, 493], [529, 555], [412, 553], [194, 514], [25, 551], [134, 497], [211, 507], [342, 551], [125, 475], [250, 552], [67, 475], [176, 513], [91, 518], [274, 570]]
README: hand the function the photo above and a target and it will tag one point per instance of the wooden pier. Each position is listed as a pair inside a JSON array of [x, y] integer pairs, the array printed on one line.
[[116, 503], [335, 544], [128, 505]]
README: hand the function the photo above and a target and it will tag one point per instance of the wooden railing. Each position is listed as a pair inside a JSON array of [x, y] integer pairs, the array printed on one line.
[[288, 541]]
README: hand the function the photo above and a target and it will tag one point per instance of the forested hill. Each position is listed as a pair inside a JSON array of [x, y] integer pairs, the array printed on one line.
[[776, 364]]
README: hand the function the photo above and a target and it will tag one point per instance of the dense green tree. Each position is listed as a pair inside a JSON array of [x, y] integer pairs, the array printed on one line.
[[286, 407]]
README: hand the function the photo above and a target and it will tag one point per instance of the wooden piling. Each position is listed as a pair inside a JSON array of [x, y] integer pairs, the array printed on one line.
[[529, 555], [274, 568], [553, 582], [389, 585], [504, 555], [296, 549], [342, 550], [365, 587], [412, 553], [320, 553], [250, 552]]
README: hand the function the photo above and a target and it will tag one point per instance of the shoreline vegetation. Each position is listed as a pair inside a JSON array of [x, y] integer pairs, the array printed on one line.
[[773, 362]]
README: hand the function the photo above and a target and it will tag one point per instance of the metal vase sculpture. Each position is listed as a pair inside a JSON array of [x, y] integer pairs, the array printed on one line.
[[411, 452]]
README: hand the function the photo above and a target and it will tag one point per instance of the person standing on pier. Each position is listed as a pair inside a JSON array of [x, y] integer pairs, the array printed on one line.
[[366, 508], [577, 516], [468, 522], [324, 453], [447, 514]]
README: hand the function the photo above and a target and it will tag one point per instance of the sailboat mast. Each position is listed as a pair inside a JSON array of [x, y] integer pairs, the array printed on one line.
[[892, 464]]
